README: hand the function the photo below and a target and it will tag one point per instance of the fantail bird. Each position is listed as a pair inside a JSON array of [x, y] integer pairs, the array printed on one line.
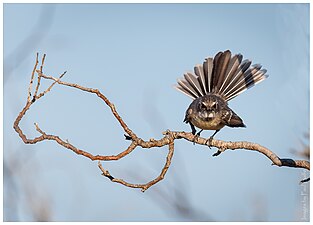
[[214, 83]]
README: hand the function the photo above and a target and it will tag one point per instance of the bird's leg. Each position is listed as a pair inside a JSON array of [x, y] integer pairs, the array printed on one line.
[[193, 130], [198, 134], [211, 138]]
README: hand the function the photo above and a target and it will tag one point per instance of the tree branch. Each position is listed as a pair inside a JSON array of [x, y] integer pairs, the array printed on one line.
[[135, 141]]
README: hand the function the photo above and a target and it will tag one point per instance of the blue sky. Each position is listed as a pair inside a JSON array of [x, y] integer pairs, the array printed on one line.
[[134, 53]]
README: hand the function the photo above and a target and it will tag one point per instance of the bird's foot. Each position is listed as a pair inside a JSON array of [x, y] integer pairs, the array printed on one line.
[[195, 138], [197, 135], [209, 142]]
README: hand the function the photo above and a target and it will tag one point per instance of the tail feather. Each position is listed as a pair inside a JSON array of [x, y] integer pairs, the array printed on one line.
[[250, 81], [231, 70], [222, 65], [186, 89], [224, 75], [201, 77], [247, 80], [241, 69], [215, 72], [208, 68], [194, 82]]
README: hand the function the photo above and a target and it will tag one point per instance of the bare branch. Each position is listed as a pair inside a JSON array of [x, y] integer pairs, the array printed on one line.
[[227, 145], [39, 77], [168, 139], [32, 79], [143, 187], [49, 88]]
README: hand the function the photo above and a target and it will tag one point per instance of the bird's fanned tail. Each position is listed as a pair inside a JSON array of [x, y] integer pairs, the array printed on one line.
[[225, 75]]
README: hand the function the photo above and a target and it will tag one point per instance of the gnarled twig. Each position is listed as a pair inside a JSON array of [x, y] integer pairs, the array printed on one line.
[[168, 139]]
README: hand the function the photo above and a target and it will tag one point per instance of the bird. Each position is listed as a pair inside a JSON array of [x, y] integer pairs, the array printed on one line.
[[212, 85]]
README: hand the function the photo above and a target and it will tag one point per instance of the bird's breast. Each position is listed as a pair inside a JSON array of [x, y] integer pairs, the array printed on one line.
[[207, 123]]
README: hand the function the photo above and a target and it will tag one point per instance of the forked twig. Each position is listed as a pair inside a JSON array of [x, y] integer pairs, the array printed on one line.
[[135, 141]]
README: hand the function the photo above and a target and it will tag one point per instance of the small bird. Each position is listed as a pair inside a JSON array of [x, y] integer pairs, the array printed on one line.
[[215, 83]]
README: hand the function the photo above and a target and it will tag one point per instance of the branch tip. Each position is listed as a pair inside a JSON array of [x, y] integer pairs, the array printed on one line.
[[304, 181], [105, 172]]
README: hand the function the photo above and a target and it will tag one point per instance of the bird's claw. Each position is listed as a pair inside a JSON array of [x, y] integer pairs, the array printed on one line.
[[195, 138], [209, 142]]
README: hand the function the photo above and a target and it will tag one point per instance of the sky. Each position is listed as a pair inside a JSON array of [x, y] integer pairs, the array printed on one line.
[[134, 53]]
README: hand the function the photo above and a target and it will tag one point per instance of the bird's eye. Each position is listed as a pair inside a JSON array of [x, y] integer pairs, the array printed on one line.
[[214, 105], [202, 106]]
